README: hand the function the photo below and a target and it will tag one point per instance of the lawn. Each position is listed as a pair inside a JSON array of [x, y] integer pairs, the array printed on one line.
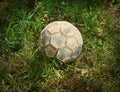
[[23, 66]]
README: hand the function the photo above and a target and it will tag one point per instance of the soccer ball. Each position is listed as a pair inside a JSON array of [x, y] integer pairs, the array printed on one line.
[[62, 40]]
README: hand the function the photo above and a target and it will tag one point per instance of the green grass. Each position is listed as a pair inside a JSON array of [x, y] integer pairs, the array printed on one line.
[[23, 66]]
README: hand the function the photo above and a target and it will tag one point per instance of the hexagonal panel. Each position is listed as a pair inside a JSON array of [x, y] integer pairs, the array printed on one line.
[[50, 51], [45, 38], [58, 40], [54, 28], [72, 42], [79, 37], [40, 41], [77, 52], [64, 54]]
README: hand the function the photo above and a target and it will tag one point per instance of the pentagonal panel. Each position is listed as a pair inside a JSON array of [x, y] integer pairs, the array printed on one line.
[[67, 30], [45, 38], [64, 54], [77, 52], [72, 43], [58, 40], [50, 51], [54, 28]]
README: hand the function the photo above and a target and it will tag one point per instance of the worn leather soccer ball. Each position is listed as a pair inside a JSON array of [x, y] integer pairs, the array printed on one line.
[[62, 40]]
